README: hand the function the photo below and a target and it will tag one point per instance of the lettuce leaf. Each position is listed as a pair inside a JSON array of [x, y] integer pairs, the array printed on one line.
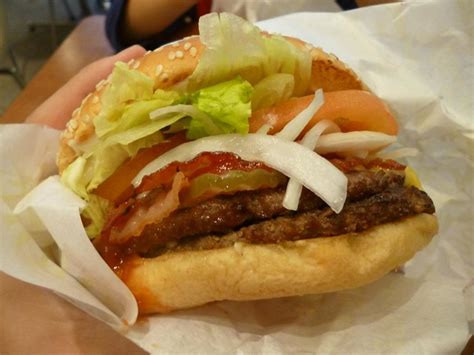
[[76, 178], [284, 57], [218, 109], [96, 211], [236, 47], [105, 160], [272, 90], [125, 85], [227, 104], [138, 113]]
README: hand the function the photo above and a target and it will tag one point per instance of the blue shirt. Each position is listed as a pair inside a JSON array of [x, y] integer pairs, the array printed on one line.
[[113, 24], [115, 14]]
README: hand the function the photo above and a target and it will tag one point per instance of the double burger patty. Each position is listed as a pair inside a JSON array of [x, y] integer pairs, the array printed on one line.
[[374, 197], [388, 206]]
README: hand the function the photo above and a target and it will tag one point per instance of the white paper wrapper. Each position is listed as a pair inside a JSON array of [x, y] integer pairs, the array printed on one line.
[[418, 57]]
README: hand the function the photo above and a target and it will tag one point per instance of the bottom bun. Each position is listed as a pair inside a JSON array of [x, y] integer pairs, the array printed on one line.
[[249, 271]]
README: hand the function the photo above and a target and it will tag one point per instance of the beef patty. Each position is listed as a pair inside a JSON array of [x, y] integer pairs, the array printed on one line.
[[374, 197], [387, 206]]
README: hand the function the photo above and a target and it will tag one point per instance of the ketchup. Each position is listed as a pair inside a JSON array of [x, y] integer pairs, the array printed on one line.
[[204, 163]]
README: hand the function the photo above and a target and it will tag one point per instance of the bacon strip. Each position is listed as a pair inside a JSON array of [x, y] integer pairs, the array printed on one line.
[[164, 204]]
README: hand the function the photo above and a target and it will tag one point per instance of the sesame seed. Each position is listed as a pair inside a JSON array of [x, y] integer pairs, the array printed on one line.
[[159, 69], [100, 84], [136, 65], [176, 44], [164, 77], [308, 46], [95, 99], [158, 49], [86, 118], [171, 55], [130, 62], [193, 51], [75, 112], [73, 124], [147, 52], [89, 95], [186, 46], [179, 54]]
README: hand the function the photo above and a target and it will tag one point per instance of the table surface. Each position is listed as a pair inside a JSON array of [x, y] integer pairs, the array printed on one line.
[[85, 44]]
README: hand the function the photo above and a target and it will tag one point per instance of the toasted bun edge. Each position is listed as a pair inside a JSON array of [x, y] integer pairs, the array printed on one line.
[[248, 272]]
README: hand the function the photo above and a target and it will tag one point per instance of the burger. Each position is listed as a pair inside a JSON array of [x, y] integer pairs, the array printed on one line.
[[241, 165]]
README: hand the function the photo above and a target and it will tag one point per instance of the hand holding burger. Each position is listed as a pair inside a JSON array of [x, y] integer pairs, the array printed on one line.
[[241, 165]]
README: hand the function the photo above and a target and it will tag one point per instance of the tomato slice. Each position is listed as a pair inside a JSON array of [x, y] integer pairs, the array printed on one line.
[[118, 187], [351, 110]]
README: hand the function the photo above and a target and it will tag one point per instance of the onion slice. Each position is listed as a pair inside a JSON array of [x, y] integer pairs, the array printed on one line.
[[398, 153], [290, 158], [294, 188], [294, 128], [266, 127], [353, 142]]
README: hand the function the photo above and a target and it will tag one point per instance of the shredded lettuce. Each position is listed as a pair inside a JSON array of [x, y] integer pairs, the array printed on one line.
[[218, 109], [284, 57], [142, 136], [256, 56], [96, 211], [105, 160], [125, 85], [122, 135], [137, 113], [227, 103], [272, 90], [76, 178]]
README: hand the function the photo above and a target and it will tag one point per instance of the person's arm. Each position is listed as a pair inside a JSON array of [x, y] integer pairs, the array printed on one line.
[[144, 18]]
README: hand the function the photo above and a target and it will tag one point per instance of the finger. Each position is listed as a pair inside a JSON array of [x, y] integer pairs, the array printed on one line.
[[57, 109]]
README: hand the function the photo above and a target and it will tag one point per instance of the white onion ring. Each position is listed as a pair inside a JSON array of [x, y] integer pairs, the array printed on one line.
[[294, 188], [293, 129], [290, 158], [353, 141]]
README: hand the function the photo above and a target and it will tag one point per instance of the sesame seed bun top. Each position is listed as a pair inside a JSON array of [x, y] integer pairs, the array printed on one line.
[[171, 64]]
